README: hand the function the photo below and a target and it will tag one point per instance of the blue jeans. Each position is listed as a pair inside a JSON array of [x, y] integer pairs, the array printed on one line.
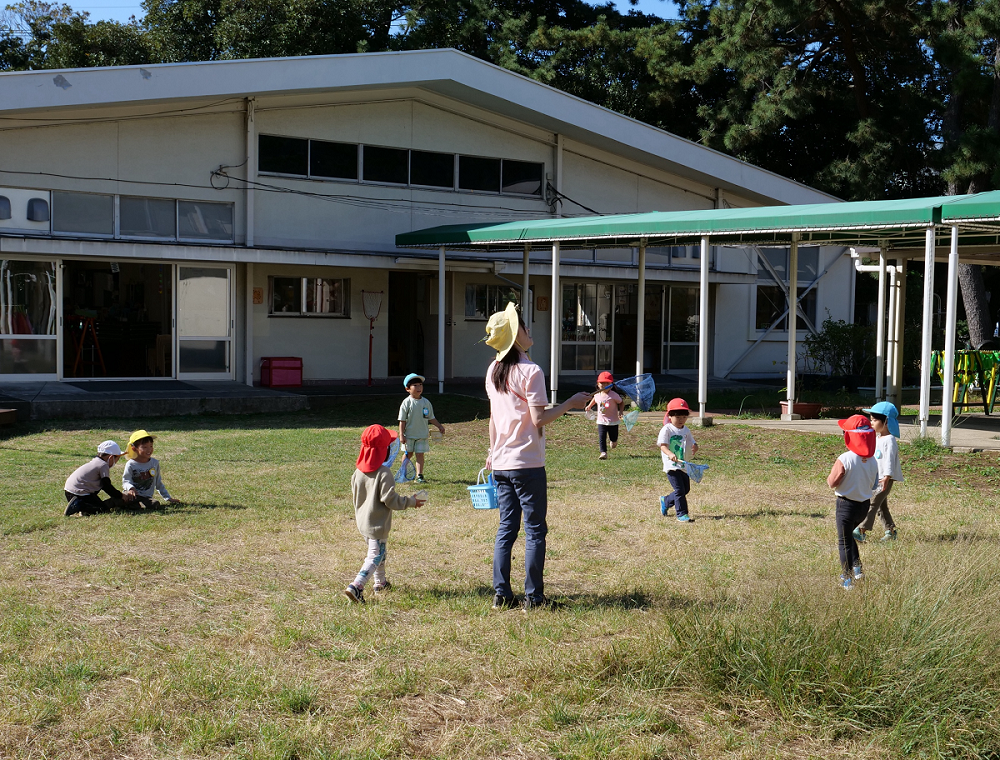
[[521, 492], [681, 482]]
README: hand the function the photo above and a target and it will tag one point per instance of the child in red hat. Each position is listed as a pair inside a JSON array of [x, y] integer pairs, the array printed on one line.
[[676, 445], [374, 492], [852, 479], [609, 413]]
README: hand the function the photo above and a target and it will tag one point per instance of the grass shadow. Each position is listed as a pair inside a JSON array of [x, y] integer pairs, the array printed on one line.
[[762, 513]]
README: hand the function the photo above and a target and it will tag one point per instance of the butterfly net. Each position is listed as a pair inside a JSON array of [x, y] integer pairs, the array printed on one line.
[[694, 471], [406, 471], [630, 419], [390, 457], [639, 388]]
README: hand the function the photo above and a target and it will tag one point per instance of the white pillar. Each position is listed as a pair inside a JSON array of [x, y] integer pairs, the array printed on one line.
[[441, 319], [880, 329], [793, 313], [928, 324], [555, 310], [951, 315], [899, 326], [890, 332], [640, 307], [527, 307], [703, 331]]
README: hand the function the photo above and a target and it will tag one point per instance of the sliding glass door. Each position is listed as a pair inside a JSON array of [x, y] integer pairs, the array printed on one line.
[[28, 320], [204, 322]]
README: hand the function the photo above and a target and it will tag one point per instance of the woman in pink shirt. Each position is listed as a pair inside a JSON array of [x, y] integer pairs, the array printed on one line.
[[516, 389]]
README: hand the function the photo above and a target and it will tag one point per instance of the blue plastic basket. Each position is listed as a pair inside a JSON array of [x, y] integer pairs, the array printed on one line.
[[484, 493]]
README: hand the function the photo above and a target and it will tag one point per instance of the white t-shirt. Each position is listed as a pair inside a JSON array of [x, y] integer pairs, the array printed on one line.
[[859, 479], [518, 445], [887, 455], [680, 442]]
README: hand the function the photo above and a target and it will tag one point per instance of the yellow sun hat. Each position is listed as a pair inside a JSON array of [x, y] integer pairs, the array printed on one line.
[[138, 435], [501, 330]]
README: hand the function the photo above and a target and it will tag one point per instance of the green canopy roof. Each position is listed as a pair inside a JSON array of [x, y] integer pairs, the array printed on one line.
[[897, 224]]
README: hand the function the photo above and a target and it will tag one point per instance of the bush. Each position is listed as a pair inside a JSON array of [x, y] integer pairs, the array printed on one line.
[[842, 348]]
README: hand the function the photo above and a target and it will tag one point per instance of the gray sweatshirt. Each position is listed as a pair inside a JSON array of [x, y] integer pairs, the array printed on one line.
[[144, 478], [375, 498]]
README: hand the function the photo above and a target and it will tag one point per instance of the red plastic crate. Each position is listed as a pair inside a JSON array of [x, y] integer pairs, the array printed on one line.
[[281, 371]]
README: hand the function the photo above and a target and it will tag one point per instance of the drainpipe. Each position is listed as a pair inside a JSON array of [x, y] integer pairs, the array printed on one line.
[[793, 313], [251, 171]]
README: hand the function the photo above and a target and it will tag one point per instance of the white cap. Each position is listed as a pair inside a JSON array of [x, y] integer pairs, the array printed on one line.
[[109, 447]]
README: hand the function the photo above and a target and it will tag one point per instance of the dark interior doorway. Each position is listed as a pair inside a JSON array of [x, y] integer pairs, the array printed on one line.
[[409, 318], [117, 319]]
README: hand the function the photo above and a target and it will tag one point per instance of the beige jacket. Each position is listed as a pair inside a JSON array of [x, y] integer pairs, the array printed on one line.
[[375, 498]]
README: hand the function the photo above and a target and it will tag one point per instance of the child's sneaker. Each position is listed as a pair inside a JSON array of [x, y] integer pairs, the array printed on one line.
[[663, 506], [382, 586], [846, 582], [604, 455], [614, 444], [684, 518], [859, 573], [420, 479], [859, 535], [355, 594], [501, 602], [890, 535]]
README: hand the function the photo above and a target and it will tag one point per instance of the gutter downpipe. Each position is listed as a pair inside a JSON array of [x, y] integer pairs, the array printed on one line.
[[703, 332], [527, 307], [640, 308], [554, 312], [928, 322], [441, 319], [947, 400], [890, 333], [793, 313], [880, 348]]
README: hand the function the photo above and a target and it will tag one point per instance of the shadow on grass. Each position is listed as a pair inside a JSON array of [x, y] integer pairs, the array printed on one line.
[[635, 600], [762, 513]]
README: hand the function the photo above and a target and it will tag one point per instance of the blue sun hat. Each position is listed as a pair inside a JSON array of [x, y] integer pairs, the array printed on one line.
[[889, 411], [410, 378]]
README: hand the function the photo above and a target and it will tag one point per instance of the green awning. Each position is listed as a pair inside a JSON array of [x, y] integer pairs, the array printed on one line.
[[896, 224]]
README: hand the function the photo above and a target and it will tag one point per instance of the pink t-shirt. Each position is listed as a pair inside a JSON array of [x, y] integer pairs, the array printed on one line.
[[519, 445], [608, 404]]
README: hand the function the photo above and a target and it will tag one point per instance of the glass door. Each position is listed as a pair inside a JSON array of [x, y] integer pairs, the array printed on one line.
[[29, 339], [204, 322]]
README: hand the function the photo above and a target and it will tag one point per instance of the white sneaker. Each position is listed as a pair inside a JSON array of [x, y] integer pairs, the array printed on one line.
[[604, 455]]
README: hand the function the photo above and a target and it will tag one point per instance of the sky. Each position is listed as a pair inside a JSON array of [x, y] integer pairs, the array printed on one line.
[[122, 10]]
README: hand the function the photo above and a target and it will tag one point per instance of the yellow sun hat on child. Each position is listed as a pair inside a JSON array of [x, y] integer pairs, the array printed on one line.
[[138, 435], [501, 330]]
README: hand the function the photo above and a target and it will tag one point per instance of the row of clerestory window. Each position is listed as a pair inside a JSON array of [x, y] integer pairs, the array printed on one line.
[[325, 160]]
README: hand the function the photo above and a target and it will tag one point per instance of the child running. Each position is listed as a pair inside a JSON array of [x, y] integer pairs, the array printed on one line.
[[852, 479], [609, 413], [676, 445], [886, 427], [142, 477], [375, 498], [414, 414], [83, 488]]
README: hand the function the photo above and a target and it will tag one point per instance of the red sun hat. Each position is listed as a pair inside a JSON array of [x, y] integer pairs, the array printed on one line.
[[375, 443], [676, 404], [858, 435], [605, 377]]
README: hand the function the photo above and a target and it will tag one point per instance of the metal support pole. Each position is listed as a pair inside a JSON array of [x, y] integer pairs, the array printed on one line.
[[880, 329], [890, 332], [527, 307], [703, 331], [554, 311], [793, 311], [951, 316], [640, 322], [928, 324], [441, 319]]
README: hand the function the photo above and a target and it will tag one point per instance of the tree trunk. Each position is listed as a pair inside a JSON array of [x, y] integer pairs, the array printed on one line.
[[970, 279]]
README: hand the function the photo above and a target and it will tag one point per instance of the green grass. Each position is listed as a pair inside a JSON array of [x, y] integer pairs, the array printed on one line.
[[217, 629]]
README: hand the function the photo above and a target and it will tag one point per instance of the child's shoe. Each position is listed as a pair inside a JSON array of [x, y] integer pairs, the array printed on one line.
[[614, 444], [859, 535], [355, 594], [859, 573], [604, 455], [663, 506], [501, 602], [420, 479], [381, 586], [684, 518], [846, 582], [890, 535]]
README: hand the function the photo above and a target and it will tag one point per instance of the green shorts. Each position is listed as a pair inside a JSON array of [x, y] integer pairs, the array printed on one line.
[[416, 446]]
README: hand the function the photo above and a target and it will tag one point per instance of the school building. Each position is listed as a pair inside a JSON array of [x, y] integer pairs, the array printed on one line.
[[188, 220]]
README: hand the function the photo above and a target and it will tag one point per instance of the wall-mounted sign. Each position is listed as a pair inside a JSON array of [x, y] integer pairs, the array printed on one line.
[[258, 296], [542, 303]]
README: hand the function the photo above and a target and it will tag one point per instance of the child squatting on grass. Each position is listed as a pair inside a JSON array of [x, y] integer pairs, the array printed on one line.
[[414, 414], [676, 445], [887, 454], [374, 493], [852, 479], [83, 487], [142, 477], [609, 413]]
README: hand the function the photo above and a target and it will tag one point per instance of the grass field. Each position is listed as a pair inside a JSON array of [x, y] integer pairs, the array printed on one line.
[[217, 629]]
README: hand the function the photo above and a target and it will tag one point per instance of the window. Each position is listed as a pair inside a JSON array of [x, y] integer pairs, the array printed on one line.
[[283, 155], [586, 326], [332, 159], [83, 213], [386, 165], [432, 169], [481, 175], [522, 177], [310, 297], [147, 218], [771, 301], [482, 301], [27, 317], [200, 220]]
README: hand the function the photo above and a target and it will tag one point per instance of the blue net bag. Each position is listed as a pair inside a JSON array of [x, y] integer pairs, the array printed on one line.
[[630, 419], [639, 388], [694, 471], [390, 458], [406, 471]]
